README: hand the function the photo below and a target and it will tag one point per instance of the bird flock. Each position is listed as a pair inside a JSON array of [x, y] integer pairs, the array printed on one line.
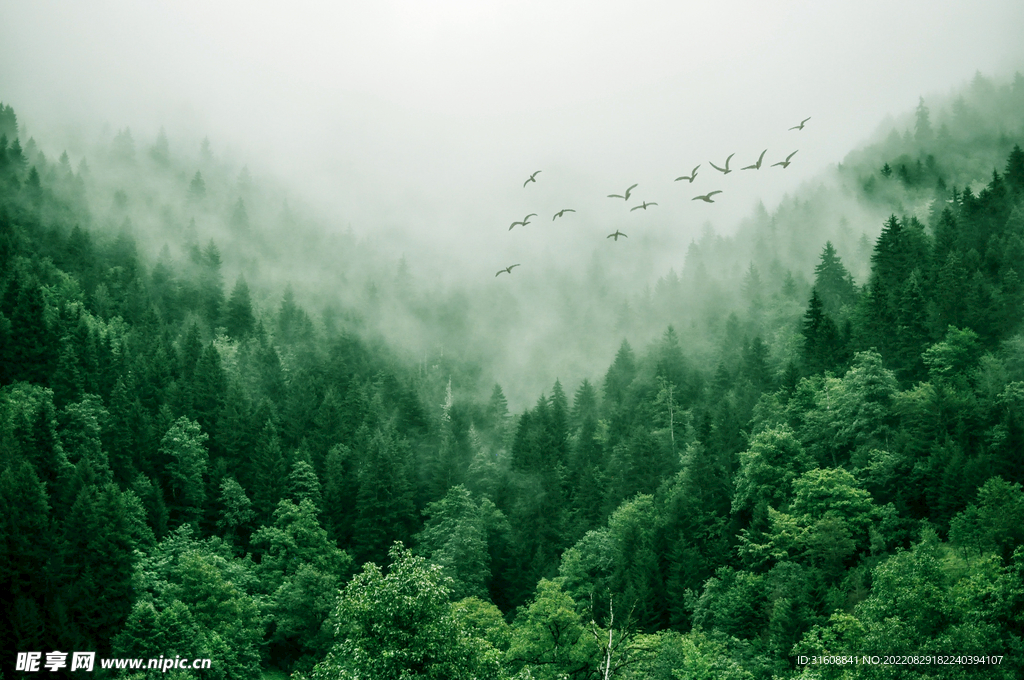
[[644, 205]]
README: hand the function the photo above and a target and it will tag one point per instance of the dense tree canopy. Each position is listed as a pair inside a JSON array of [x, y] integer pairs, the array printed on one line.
[[807, 442]]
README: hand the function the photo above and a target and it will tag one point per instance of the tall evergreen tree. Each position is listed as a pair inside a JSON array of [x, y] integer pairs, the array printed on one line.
[[384, 501], [197, 188], [238, 318], [833, 283], [822, 346]]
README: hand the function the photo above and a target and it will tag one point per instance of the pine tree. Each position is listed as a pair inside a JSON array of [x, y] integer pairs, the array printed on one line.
[[211, 285], [8, 122], [26, 540], [620, 375], [384, 501], [197, 188], [833, 283], [922, 123], [268, 472], [304, 485], [209, 389], [822, 347], [1014, 173], [93, 566]]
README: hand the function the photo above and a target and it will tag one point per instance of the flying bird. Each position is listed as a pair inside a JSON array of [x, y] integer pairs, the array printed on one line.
[[626, 197], [801, 125], [644, 206], [533, 178], [785, 163], [726, 170], [692, 176], [506, 269], [616, 235], [757, 165], [706, 197], [562, 212], [526, 220]]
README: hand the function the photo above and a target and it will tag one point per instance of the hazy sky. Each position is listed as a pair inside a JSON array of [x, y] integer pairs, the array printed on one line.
[[425, 117]]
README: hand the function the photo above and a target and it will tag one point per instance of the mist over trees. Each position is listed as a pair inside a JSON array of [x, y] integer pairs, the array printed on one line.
[[218, 442]]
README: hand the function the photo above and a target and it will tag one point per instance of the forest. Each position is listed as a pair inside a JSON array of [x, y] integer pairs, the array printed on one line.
[[809, 443]]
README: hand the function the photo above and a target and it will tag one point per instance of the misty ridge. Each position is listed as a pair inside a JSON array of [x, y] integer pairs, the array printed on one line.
[[565, 312]]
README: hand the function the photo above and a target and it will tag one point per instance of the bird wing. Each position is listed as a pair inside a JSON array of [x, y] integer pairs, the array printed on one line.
[[615, 196], [638, 207], [499, 271], [712, 193], [652, 204], [791, 155], [716, 167], [804, 121], [761, 157], [568, 210], [529, 216], [728, 159], [630, 189], [512, 267]]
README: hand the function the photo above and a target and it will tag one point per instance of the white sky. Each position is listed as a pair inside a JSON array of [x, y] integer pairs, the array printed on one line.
[[416, 119]]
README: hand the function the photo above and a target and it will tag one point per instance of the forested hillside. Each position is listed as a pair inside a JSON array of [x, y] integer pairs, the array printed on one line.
[[821, 452]]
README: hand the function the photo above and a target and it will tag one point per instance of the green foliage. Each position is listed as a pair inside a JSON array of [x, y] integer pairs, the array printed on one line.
[[995, 524], [183, 445], [550, 638], [402, 625], [134, 397], [767, 469], [195, 601], [455, 536], [301, 569], [926, 601]]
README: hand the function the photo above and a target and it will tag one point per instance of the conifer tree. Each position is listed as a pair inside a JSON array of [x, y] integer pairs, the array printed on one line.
[[833, 282], [25, 543], [268, 472], [197, 188], [211, 285], [239, 320], [922, 123], [822, 347], [620, 374], [1014, 173], [93, 565], [304, 485], [384, 501]]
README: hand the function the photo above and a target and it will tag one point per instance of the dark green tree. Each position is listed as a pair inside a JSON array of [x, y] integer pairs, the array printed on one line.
[[238, 317]]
